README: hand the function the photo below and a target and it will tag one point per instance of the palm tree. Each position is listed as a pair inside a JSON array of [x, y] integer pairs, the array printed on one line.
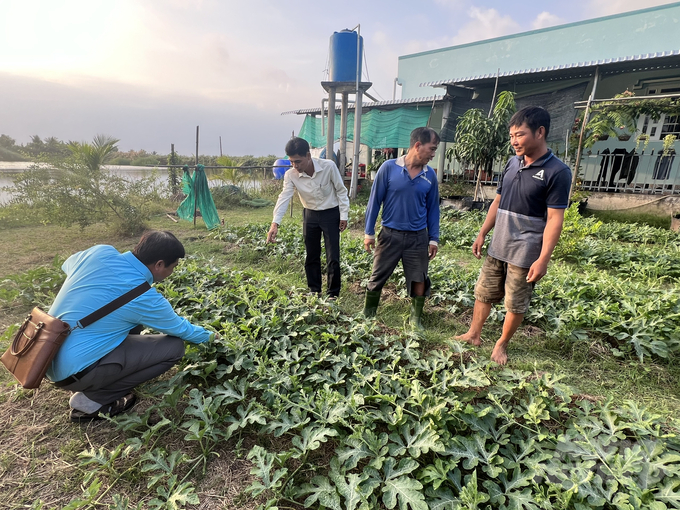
[[96, 154], [89, 159]]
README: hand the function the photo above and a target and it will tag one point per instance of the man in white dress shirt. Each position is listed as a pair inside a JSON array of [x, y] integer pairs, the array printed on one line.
[[326, 209]]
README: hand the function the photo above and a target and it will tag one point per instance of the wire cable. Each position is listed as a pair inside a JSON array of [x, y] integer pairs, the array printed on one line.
[[368, 78]]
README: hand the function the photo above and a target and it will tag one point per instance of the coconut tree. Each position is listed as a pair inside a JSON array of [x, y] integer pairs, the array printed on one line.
[[481, 138], [94, 155]]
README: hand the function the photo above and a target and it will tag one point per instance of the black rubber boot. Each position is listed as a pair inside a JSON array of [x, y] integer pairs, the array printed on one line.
[[417, 304], [371, 305]]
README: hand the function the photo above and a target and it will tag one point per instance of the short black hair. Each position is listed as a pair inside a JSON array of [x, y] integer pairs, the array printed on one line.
[[423, 135], [534, 117], [297, 147], [158, 245]]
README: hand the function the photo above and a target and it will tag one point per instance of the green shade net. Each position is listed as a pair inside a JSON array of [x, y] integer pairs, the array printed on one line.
[[379, 128], [198, 196]]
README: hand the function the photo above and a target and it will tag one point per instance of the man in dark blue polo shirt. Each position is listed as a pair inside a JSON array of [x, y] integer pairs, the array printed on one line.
[[527, 216], [408, 192]]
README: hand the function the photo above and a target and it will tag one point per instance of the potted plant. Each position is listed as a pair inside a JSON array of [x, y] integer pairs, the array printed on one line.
[[372, 168], [642, 139], [668, 144]]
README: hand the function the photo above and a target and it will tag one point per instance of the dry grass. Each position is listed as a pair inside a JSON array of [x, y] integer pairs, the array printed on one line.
[[39, 459], [41, 446]]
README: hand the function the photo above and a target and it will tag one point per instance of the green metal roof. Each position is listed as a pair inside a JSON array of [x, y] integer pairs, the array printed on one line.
[[642, 34]]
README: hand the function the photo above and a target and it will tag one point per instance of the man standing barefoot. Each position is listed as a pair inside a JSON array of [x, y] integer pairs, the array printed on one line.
[[527, 216]]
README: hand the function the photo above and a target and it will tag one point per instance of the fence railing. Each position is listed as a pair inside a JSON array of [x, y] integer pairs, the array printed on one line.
[[648, 173], [619, 171]]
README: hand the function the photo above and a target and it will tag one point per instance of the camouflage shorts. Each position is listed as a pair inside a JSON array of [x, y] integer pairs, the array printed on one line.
[[499, 279]]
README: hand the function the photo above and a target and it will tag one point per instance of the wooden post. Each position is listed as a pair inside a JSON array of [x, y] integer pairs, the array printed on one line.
[[197, 145], [172, 171], [195, 197]]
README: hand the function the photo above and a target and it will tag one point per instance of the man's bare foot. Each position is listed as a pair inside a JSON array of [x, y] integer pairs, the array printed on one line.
[[499, 354], [469, 338]]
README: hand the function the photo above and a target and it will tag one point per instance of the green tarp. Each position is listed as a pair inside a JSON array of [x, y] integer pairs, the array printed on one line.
[[198, 196], [379, 128]]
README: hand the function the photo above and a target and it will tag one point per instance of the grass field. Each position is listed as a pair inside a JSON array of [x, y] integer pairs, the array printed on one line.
[[41, 459]]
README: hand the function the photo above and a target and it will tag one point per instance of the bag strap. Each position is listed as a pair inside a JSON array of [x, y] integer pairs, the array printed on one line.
[[113, 305]]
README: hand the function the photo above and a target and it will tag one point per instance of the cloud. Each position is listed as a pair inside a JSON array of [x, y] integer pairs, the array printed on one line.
[[485, 24], [138, 116], [545, 19], [482, 24], [607, 7]]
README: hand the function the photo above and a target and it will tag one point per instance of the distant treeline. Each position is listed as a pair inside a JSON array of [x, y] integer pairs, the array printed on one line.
[[52, 148]]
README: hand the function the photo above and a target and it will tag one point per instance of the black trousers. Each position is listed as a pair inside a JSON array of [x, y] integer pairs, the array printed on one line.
[[314, 224]]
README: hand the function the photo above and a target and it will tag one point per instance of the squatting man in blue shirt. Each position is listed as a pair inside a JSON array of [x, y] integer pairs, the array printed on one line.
[[526, 217], [408, 192], [101, 364]]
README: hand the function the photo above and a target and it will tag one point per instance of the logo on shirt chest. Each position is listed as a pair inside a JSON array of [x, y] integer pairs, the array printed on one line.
[[539, 175]]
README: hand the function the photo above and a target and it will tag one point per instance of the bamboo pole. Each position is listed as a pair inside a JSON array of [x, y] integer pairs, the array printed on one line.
[[478, 184], [583, 129]]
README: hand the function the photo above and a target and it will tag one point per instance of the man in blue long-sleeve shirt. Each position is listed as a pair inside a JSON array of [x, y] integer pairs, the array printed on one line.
[[103, 362], [408, 192]]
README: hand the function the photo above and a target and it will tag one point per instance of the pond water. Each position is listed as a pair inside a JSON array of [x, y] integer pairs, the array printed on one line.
[[9, 170]]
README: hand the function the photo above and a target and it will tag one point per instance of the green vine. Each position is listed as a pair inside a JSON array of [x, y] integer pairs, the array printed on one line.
[[615, 118]]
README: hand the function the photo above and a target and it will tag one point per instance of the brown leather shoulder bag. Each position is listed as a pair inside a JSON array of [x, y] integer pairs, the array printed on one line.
[[40, 336]]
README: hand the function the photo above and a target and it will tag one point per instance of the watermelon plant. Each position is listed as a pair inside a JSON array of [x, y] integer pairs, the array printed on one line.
[[334, 411], [346, 415], [606, 283]]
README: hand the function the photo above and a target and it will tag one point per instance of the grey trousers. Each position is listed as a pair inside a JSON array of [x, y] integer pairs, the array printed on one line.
[[409, 247], [138, 359]]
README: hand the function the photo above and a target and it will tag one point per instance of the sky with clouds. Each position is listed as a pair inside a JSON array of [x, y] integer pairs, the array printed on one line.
[[149, 71]]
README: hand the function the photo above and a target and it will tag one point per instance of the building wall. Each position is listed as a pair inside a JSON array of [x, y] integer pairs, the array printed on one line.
[[650, 30]]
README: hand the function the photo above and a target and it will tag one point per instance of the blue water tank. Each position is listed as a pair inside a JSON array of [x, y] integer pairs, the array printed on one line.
[[281, 166], [343, 56]]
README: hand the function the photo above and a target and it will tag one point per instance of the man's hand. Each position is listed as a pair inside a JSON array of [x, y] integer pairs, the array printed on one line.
[[432, 251], [478, 245], [537, 271], [369, 244], [343, 225], [271, 235]]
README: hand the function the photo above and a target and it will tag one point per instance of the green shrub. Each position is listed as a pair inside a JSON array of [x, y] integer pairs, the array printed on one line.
[[227, 196], [78, 191], [120, 161], [632, 217], [146, 160], [10, 155]]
